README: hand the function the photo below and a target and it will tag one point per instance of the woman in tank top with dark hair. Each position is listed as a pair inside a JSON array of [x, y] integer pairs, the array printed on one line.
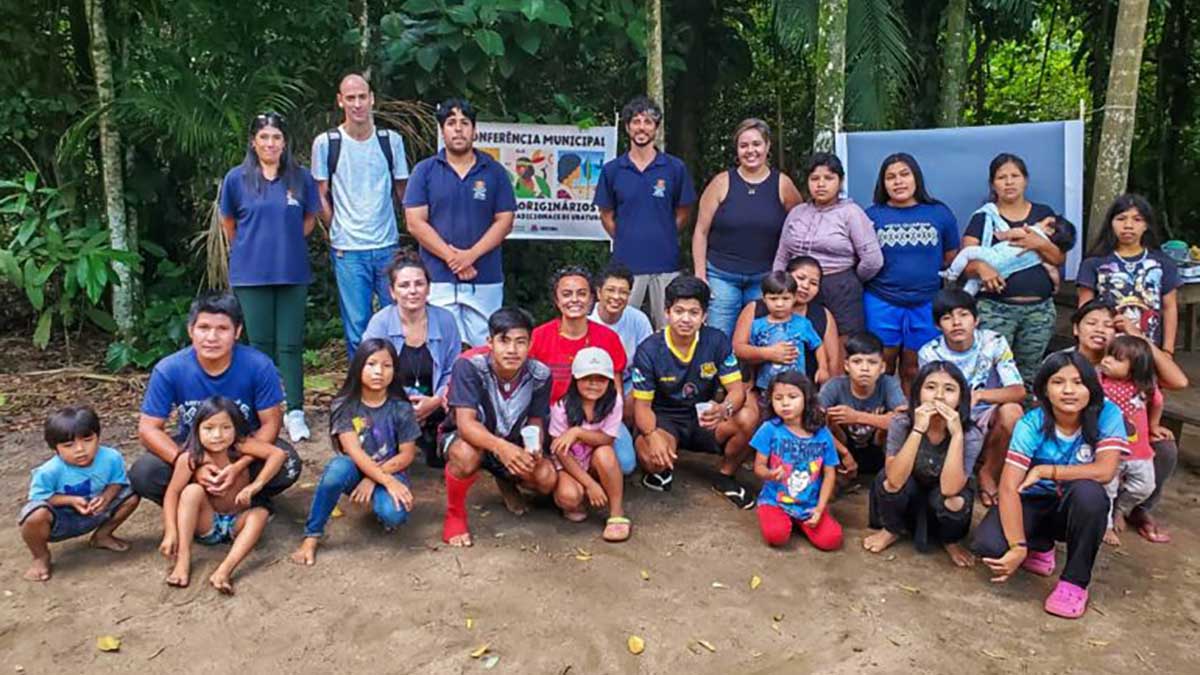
[[737, 228]]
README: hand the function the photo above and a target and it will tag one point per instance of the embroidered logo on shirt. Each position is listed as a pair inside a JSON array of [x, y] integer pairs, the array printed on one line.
[[479, 190], [291, 199], [1084, 454], [660, 188], [707, 370]]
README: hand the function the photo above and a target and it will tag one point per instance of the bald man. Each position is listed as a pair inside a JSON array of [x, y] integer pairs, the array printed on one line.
[[358, 170]]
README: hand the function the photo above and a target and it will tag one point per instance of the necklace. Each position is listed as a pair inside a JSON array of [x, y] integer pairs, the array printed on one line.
[[752, 188], [1132, 265]]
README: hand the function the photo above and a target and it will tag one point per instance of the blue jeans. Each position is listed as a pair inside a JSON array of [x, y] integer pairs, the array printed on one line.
[[626, 454], [360, 274], [730, 293], [340, 478]]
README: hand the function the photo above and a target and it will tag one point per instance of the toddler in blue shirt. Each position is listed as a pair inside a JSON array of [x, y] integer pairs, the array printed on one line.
[[785, 332]]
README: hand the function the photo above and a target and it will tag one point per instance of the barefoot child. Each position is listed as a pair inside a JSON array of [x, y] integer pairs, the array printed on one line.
[[374, 430], [1127, 376], [583, 425], [797, 461], [219, 436], [82, 489]]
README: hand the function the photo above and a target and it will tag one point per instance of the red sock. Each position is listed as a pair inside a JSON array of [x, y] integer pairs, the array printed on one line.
[[456, 505]]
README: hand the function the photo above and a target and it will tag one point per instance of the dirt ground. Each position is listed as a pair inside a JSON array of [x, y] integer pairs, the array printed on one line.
[[401, 603]]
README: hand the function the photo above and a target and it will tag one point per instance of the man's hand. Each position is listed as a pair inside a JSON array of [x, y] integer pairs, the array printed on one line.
[[842, 414], [246, 494], [362, 493], [459, 259], [518, 462], [660, 451], [847, 465], [1006, 565], [467, 273], [223, 480], [712, 416]]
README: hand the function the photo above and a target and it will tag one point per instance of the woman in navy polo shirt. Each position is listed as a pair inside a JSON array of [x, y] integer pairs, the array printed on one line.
[[918, 236], [427, 343], [268, 207]]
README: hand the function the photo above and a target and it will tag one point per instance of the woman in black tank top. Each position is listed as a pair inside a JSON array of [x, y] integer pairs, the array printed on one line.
[[737, 227]]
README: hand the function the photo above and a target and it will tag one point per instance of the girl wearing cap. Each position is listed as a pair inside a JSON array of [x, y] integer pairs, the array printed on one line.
[[583, 426]]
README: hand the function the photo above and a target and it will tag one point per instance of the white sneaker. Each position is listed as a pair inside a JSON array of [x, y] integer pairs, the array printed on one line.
[[297, 428]]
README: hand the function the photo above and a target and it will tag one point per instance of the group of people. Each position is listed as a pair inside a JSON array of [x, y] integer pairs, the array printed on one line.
[[815, 341]]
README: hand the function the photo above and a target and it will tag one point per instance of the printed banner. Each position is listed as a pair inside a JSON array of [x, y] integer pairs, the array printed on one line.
[[554, 172]]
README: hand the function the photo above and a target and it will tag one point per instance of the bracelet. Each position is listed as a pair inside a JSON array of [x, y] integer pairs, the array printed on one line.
[[1019, 544], [919, 432], [1054, 472]]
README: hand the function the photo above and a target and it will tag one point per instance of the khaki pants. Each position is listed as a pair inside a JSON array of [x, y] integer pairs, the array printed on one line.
[[656, 285]]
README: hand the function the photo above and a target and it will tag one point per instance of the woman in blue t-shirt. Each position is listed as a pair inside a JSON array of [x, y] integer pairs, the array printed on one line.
[[1052, 488], [268, 208], [918, 236]]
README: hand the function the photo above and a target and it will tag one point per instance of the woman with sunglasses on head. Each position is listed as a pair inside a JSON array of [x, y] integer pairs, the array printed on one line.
[[268, 207]]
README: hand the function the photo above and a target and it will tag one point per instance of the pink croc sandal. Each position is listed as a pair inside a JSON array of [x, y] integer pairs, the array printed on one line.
[[1040, 563], [1067, 600]]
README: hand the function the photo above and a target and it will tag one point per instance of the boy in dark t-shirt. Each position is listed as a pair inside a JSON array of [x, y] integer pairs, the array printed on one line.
[[860, 405], [493, 396], [675, 379]]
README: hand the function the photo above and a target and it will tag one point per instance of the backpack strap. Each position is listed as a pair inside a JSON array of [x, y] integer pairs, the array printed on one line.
[[385, 144], [333, 151]]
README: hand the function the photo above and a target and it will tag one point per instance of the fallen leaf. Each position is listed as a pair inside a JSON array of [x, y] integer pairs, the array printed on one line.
[[481, 650], [777, 617], [470, 623], [895, 641], [910, 589], [717, 584], [636, 645], [337, 512], [706, 644], [491, 661], [1098, 643], [891, 557], [108, 643], [582, 557], [993, 655], [775, 627], [645, 575], [755, 582], [1158, 577], [583, 551]]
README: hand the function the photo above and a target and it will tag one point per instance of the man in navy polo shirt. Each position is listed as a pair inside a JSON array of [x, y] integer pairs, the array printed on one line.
[[645, 197], [459, 206]]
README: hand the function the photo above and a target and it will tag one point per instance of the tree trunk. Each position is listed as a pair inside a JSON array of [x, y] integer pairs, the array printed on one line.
[[830, 74], [954, 64], [1120, 107], [654, 65], [111, 159], [364, 42]]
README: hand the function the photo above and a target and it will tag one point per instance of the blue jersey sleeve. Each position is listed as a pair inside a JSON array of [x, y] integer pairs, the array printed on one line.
[[606, 197], [727, 369], [1114, 434], [230, 189], [159, 399], [416, 192], [466, 391], [1027, 439], [643, 374]]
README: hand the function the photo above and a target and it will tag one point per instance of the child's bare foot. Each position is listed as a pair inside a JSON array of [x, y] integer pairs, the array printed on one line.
[[108, 542], [1118, 522], [306, 553], [39, 570], [220, 581], [1111, 538], [513, 500], [959, 555], [878, 542], [461, 540], [179, 576]]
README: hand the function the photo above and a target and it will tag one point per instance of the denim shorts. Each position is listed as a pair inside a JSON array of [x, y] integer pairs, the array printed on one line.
[[222, 529], [69, 523]]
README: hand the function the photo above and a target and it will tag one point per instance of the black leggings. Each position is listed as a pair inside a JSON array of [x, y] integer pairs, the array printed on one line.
[[149, 476], [1078, 516], [920, 511]]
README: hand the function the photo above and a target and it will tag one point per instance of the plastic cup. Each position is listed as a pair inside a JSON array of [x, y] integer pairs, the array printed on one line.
[[703, 407], [531, 437]]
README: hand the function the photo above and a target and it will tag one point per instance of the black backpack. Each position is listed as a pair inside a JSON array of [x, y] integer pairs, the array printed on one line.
[[334, 151]]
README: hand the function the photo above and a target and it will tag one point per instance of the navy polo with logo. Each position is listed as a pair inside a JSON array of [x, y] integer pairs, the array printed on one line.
[[645, 203], [461, 209]]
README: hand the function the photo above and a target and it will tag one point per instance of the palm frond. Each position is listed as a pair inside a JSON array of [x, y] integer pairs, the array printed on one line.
[[795, 24], [879, 63]]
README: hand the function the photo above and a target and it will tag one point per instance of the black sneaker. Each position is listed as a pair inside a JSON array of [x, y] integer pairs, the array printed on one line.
[[734, 491], [659, 482]]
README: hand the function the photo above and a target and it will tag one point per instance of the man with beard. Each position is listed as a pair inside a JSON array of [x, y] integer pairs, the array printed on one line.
[[645, 197], [459, 206]]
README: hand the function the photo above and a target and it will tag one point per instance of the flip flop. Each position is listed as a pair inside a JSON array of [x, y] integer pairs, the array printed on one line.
[[616, 529], [1150, 532], [989, 499]]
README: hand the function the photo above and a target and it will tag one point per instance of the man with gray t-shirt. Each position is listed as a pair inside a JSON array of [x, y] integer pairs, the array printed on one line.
[[359, 171]]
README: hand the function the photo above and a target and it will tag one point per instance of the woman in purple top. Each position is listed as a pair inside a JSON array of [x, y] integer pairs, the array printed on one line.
[[835, 231], [268, 208], [737, 228]]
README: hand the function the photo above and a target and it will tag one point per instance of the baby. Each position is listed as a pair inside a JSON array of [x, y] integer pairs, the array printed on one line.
[[1007, 258]]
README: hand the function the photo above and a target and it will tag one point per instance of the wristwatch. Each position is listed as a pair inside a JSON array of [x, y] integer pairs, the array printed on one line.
[[728, 410]]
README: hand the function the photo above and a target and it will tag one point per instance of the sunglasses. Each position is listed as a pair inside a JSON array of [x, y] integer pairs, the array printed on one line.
[[269, 118]]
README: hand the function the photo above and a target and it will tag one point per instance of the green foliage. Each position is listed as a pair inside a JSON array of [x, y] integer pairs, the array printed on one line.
[[63, 270], [161, 330]]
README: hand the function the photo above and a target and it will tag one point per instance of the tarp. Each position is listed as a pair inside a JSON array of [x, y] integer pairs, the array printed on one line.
[[955, 163]]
